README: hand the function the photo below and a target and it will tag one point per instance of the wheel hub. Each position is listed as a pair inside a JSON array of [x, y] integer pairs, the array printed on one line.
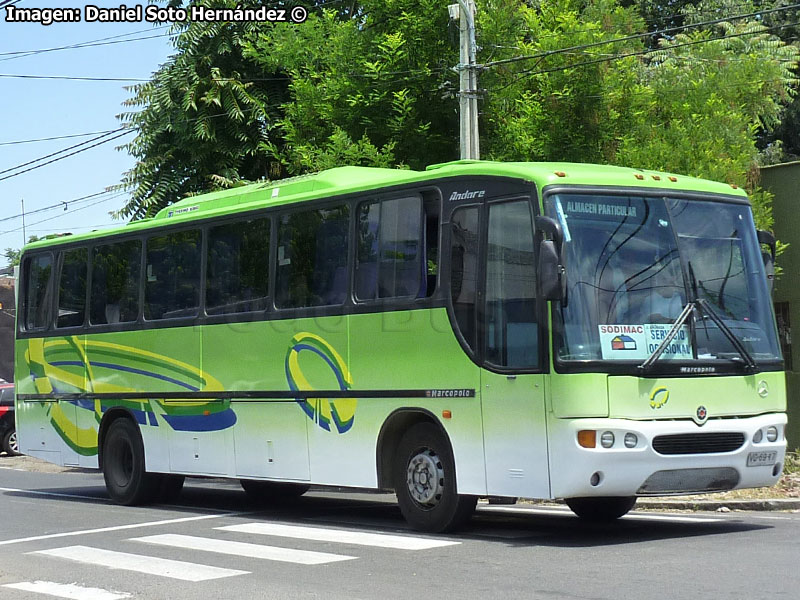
[[12, 442], [425, 477]]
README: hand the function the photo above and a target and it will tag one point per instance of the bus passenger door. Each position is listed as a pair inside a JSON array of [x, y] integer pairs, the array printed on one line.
[[512, 393]]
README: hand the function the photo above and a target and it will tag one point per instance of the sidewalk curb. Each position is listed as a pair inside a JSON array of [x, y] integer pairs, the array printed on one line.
[[720, 505]]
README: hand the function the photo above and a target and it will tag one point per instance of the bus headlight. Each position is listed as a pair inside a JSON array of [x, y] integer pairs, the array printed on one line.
[[607, 439], [772, 433], [758, 436], [631, 440]]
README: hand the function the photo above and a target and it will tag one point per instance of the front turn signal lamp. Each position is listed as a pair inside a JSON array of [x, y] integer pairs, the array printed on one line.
[[587, 438]]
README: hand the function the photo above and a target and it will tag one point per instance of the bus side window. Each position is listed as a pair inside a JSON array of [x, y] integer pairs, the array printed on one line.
[[312, 258], [72, 288], [237, 274], [172, 284], [464, 243], [512, 331], [115, 283], [37, 273], [389, 262]]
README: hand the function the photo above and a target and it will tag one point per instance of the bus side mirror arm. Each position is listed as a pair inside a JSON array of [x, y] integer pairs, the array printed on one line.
[[768, 239], [551, 271]]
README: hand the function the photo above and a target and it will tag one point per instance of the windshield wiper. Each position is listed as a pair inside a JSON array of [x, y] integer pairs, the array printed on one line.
[[687, 310], [705, 306]]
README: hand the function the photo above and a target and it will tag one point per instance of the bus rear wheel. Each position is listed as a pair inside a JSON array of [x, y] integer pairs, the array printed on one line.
[[605, 508], [425, 482], [127, 480], [273, 491]]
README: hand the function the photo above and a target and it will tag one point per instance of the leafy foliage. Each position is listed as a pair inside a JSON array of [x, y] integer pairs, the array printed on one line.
[[13, 255], [365, 90], [372, 83], [204, 118]]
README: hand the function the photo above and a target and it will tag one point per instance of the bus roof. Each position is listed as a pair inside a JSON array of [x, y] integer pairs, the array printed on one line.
[[346, 180]]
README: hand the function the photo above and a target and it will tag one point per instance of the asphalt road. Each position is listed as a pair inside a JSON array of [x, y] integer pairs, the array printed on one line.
[[60, 537]]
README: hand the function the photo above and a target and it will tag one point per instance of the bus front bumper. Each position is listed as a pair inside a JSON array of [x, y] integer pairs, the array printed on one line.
[[722, 454]]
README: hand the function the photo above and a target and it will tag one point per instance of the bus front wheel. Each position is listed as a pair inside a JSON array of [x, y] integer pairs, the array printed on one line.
[[425, 482], [606, 508], [127, 480]]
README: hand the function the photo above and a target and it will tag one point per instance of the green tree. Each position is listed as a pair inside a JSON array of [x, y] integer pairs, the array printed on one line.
[[204, 120], [371, 90], [13, 255], [372, 83]]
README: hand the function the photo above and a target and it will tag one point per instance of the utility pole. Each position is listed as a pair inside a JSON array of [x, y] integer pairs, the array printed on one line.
[[24, 239], [464, 11]]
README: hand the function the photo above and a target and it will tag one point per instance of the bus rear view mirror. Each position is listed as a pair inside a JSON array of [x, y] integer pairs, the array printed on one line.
[[550, 268], [766, 238]]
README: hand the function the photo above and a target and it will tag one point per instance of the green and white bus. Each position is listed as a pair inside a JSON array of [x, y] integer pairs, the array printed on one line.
[[534, 330]]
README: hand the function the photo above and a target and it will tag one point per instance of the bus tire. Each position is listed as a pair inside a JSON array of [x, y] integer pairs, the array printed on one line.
[[274, 492], [425, 481], [126, 477], [601, 508], [10, 443]]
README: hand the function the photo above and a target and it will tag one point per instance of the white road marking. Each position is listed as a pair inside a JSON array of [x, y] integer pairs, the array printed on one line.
[[36, 538], [244, 549], [342, 536], [67, 590], [163, 567], [567, 513]]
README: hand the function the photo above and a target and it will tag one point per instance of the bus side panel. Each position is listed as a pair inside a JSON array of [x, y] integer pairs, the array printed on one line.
[[315, 355], [163, 360], [405, 350], [197, 432], [36, 434], [269, 435]]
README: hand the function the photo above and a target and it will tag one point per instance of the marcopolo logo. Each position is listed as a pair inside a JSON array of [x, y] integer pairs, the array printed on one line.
[[467, 195], [659, 397]]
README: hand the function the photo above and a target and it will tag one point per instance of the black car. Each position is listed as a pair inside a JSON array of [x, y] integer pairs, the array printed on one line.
[[8, 429]]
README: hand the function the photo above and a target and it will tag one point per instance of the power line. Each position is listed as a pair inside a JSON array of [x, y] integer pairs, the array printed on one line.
[[62, 204], [30, 162], [70, 78], [418, 73], [57, 137], [78, 46], [88, 43], [60, 216], [126, 132], [636, 36], [532, 72]]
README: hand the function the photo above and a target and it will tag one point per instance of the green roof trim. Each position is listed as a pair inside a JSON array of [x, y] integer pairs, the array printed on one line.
[[348, 180]]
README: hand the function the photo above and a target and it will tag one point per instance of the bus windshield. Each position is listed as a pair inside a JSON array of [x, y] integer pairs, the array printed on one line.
[[633, 264]]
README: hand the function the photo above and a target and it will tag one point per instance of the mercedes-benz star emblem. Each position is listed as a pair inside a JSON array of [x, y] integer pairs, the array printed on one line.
[[701, 415]]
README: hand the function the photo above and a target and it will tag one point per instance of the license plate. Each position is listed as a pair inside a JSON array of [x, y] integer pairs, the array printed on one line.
[[761, 459]]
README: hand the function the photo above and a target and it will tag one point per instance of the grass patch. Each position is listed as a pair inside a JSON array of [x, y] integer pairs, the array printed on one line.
[[791, 465]]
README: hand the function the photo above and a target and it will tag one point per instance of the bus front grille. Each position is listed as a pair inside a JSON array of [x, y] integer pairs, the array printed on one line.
[[698, 443]]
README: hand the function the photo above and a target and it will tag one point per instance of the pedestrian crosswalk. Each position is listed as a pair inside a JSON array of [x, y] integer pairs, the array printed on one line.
[[133, 555], [164, 567], [244, 549]]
